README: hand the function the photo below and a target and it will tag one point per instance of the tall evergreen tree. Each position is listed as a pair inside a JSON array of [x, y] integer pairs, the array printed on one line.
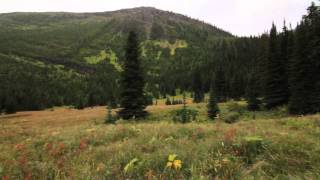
[[300, 83], [284, 57], [197, 87], [305, 66], [132, 99], [276, 88], [220, 89], [252, 93], [313, 18], [213, 108]]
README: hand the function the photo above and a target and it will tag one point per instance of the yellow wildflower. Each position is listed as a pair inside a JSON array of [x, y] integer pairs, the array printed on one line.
[[177, 164], [173, 162], [169, 164]]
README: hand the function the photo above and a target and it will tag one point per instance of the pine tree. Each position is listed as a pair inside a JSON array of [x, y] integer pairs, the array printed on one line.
[[276, 88], [284, 57], [252, 93], [197, 87], [220, 85], [110, 119], [305, 66], [300, 77], [213, 108], [132, 100], [313, 18], [184, 117], [168, 102]]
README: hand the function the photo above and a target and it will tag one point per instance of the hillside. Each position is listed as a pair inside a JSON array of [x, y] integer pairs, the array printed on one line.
[[76, 58], [72, 38]]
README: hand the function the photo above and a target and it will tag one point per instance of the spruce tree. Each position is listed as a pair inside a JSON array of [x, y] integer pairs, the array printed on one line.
[[276, 88], [197, 87], [313, 18], [184, 114], [252, 93], [110, 119], [213, 108], [300, 77], [284, 57], [220, 85], [305, 66], [132, 100]]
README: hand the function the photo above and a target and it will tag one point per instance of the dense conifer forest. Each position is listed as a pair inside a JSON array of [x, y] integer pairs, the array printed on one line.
[[44, 63]]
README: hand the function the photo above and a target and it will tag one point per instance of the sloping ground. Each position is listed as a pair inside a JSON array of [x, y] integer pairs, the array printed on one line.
[[73, 144], [70, 38]]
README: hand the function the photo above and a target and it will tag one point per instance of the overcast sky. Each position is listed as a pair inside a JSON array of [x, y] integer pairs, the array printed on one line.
[[240, 17]]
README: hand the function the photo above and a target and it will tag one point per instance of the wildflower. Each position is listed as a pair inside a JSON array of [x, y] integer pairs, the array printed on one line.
[[19, 147], [48, 147], [101, 167], [174, 163], [61, 147], [177, 164], [172, 157], [83, 144]]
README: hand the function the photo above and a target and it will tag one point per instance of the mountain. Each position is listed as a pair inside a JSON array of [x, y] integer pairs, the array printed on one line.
[[78, 40], [57, 58]]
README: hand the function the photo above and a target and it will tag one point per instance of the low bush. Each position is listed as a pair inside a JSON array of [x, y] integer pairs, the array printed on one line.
[[250, 147], [235, 107], [182, 115], [231, 117]]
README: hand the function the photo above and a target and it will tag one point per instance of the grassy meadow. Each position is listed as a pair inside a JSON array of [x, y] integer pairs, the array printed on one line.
[[64, 143]]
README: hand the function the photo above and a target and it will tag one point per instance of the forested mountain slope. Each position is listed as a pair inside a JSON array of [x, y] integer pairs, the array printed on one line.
[[177, 52], [72, 38]]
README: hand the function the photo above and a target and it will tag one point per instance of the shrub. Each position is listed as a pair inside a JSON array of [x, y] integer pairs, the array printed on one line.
[[182, 115], [231, 117], [168, 102], [250, 148], [235, 107]]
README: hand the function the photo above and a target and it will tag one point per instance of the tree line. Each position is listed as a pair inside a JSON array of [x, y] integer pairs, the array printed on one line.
[[275, 69]]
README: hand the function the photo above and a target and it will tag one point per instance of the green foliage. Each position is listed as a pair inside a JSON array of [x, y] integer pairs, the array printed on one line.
[[110, 119], [251, 147], [252, 94], [184, 115], [276, 93], [132, 99], [168, 102], [231, 117], [213, 108], [304, 72], [234, 106]]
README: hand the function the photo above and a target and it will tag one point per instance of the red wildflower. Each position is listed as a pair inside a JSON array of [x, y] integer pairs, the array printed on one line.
[[19, 147], [61, 147], [83, 144], [49, 147]]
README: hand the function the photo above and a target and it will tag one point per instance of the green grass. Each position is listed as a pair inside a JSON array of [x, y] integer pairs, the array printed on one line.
[[271, 146]]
